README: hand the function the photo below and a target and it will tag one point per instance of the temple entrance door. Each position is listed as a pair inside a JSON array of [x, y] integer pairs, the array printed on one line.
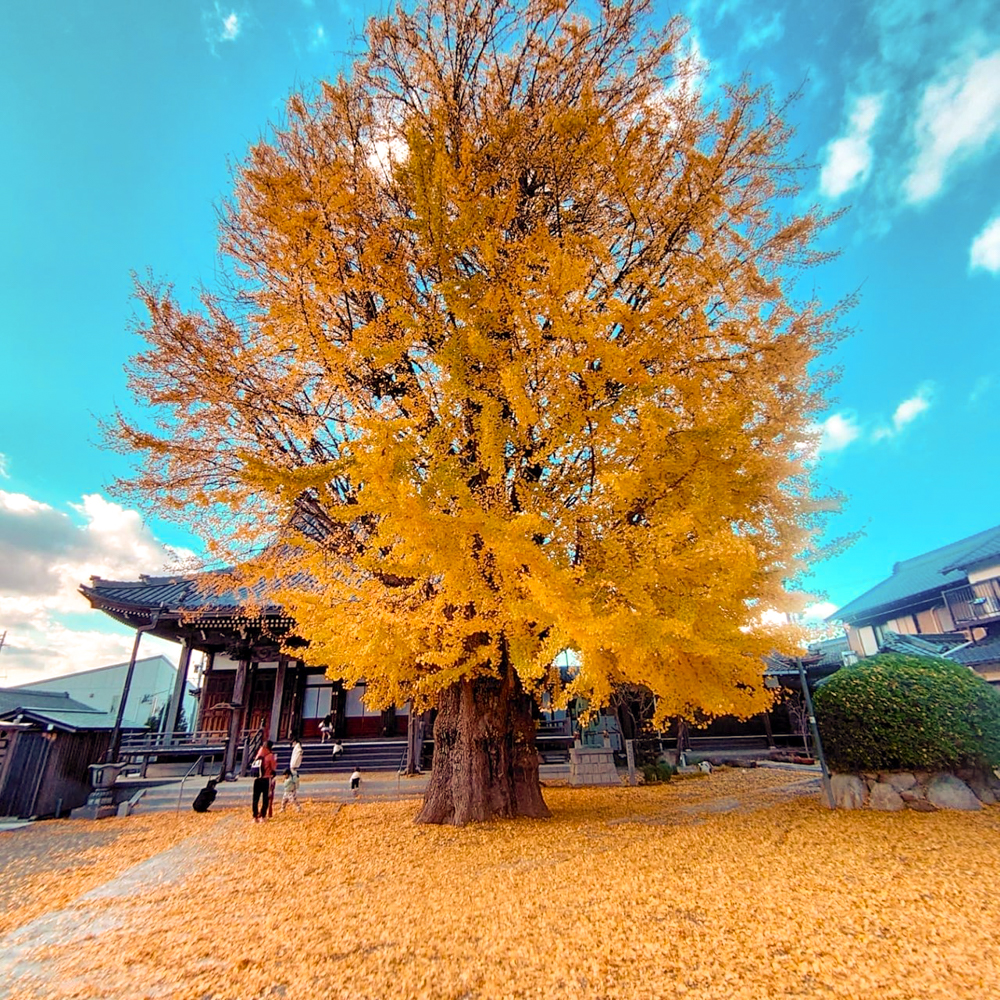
[[320, 698]]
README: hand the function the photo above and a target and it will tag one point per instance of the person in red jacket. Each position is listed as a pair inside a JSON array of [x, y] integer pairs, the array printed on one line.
[[264, 775]]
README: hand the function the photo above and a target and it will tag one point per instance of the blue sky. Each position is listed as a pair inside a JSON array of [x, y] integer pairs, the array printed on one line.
[[120, 120]]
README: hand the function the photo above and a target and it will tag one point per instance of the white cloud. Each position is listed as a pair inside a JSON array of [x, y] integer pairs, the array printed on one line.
[[4, 473], [45, 554], [21, 503], [221, 25], [837, 432], [688, 83], [984, 385], [692, 69], [959, 117], [849, 158], [819, 611], [906, 413], [317, 37], [762, 31], [230, 27], [386, 154], [984, 254]]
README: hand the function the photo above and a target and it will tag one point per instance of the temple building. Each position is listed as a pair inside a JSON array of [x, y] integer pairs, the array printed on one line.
[[249, 681]]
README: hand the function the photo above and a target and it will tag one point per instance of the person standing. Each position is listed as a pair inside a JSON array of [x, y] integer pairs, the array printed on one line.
[[296, 759], [290, 790], [263, 783], [356, 782]]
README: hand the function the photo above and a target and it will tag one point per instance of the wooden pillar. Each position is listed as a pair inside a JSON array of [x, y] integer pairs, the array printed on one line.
[[239, 709], [249, 704], [293, 680], [767, 729], [206, 673], [413, 742], [180, 689], [279, 692]]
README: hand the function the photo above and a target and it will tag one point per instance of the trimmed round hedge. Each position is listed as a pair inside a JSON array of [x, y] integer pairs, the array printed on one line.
[[893, 712]]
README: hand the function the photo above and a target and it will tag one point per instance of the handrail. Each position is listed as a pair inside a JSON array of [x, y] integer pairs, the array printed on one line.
[[197, 763]]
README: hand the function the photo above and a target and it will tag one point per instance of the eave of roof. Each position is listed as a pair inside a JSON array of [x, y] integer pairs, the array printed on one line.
[[918, 580], [978, 653], [171, 598], [927, 644]]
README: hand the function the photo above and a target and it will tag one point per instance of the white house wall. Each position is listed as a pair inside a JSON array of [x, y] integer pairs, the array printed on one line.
[[862, 640], [101, 689]]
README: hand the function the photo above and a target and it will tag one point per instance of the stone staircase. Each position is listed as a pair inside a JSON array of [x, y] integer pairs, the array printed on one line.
[[365, 755]]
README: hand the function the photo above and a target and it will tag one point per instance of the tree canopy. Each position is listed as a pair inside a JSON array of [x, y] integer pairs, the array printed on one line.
[[508, 362]]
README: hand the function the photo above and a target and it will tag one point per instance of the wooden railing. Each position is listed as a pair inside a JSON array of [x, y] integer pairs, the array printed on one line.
[[145, 742], [139, 749], [978, 602]]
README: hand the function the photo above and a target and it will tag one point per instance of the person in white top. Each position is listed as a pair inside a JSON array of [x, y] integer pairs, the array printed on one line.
[[356, 782], [296, 760]]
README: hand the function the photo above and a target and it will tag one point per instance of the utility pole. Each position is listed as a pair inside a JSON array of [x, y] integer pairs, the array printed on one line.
[[3, 637], [827, 787]]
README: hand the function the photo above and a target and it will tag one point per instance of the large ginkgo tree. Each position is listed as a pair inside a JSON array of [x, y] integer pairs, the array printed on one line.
[[505, 360]]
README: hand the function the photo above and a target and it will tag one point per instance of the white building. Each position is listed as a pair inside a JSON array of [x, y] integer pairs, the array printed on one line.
[[101, 689]]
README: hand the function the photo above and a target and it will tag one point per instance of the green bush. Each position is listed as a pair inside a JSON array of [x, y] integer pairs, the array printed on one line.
[[657, 772], [893, 712]]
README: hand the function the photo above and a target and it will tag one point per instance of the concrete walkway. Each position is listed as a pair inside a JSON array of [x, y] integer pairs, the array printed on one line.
[[386, 785], [23, 970]]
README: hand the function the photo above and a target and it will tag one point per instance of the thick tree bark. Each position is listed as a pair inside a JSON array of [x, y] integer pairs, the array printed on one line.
[[485, 761]]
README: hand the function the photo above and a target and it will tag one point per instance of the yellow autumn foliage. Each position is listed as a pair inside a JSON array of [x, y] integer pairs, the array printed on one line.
[[510, 362], [741, 886]]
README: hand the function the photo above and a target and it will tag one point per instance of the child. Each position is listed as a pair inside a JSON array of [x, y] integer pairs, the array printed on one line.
[[290, 790], [326, 728], [356, 782]]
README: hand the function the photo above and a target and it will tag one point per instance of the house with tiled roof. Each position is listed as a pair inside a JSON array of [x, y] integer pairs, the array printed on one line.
[[944, 602], [47, 742]]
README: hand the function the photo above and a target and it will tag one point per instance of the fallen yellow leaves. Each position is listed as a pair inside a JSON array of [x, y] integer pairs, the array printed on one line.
[[737, 886], [47, 866]]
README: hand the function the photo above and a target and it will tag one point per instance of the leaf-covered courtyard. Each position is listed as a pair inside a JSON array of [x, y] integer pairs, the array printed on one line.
[[738, 885]]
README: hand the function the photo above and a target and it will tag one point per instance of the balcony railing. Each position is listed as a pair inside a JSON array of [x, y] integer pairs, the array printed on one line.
[[975, 604]]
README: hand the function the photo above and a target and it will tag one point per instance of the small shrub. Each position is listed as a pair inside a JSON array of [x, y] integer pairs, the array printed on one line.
[[654, 773], [893, 712]]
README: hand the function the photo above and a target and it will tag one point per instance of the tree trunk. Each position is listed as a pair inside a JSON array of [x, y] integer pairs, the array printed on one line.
[[485, 761]]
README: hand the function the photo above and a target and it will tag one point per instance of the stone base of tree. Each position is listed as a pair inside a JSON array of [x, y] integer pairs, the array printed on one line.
[[921, 791], [592, 766]]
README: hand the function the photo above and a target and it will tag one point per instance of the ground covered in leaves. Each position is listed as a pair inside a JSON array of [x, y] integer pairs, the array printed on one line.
[[738, 885]]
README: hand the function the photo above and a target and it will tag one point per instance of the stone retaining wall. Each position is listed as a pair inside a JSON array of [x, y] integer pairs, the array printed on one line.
[[922, 791], [592, 766]]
